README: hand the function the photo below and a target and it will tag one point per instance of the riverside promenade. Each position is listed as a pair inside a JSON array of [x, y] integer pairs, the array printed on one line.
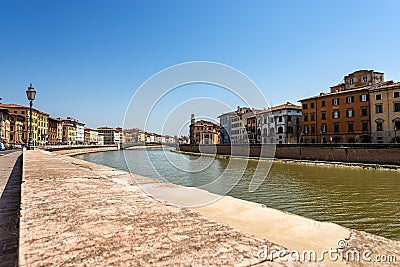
[[79, 213]]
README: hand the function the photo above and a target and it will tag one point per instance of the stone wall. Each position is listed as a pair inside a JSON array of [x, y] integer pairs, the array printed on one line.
[[76, 150], [370, 154]]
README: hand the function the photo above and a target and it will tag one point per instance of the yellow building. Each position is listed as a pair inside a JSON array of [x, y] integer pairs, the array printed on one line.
[[39, 123], [42, 128], [69, 132]]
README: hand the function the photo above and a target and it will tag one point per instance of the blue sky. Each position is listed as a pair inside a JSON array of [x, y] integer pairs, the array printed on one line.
[[87, 58]]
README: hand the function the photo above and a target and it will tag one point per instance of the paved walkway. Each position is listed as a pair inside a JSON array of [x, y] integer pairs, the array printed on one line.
[[72, 213], [80, 213], [10, 188]]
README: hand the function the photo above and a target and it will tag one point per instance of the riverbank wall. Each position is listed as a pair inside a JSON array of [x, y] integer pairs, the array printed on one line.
[[358, 153], [75, 212], [77, 150]]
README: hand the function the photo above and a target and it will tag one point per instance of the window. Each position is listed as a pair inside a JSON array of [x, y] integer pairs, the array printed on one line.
[[378, 97], [364, 126], [350, 127], [397, 125], [323, 115], [312, 129], [336, 127], [336, 114], [350, 99], [305, 106], [305, 117], [12, 128], [280, 130], [290, 129], [323, 103], [351, 81], [312, 105], [312, 116], [396, 94], [306, 129], [349, 113], [323, 128], [335, 101], [378, 108], [364, 112], [379, 125], [365, 79], [289, 118], [397, 107], [280, 118], [364, 98]]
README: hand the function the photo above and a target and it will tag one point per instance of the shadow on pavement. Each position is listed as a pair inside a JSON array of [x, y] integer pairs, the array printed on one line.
[[10, 202]]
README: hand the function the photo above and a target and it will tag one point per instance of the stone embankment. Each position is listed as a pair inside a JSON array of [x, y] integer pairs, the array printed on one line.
[[76, 150], [368, 155], [79, 213]]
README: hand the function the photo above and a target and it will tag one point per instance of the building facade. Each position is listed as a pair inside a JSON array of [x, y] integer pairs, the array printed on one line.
[[203, 132], [52, 131], [344, 114], [238, 133], [110, 135], [225, 122], [280, 124], [4, 126], [16, 130], [385, 112], [39, 123], [80, 132], [69, 132]]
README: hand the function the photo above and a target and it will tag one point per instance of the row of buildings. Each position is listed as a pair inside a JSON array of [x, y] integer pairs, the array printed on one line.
[[139, 136], [278, 124], [47, 130], [363, 109]]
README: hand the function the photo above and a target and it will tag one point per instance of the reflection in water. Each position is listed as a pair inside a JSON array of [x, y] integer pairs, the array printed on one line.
[[353, 197]]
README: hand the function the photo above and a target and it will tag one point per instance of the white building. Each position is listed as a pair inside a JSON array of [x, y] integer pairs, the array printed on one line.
[[238, 133], [225, 122], [280, 124], [80, 133]]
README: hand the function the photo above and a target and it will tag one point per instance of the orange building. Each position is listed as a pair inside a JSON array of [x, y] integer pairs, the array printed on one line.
[[339, 117], [344, 114]]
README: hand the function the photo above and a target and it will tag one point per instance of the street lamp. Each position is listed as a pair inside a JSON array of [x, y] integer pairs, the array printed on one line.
[[30, 94]]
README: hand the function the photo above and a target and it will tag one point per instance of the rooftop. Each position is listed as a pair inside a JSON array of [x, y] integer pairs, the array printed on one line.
[[21, 107], [373, 87]]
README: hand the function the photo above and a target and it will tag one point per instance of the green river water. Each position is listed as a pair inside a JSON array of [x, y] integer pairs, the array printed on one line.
[[363, 199]]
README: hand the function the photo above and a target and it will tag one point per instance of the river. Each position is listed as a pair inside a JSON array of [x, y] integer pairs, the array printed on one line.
[[363, 199]]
